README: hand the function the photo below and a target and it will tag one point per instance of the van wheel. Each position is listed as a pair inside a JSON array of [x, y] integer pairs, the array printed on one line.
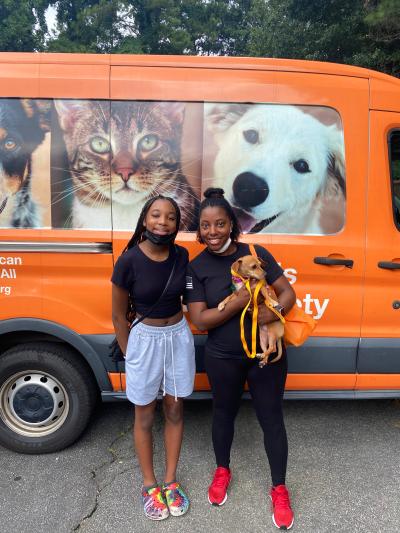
[[46, 397]]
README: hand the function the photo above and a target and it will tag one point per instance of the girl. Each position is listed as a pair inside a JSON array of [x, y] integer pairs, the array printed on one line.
[[159, 350], [226, 363]]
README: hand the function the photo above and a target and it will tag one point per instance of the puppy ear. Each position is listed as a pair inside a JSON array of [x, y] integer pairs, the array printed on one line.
[[335, 184], [221, 117], [263, 263], [236, 265]]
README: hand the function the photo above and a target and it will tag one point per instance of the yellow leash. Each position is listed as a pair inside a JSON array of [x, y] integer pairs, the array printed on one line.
[[254, 324]]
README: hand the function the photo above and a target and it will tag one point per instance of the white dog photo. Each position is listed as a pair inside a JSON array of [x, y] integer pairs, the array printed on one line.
[[279, 166]]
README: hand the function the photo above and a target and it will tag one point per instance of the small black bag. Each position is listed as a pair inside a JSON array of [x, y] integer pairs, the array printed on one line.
[[115, 351]]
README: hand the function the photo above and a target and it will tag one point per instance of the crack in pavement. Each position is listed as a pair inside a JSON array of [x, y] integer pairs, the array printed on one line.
[[158, 426], [94, 474]]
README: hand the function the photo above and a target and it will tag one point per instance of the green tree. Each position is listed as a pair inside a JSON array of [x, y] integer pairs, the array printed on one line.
[[22, 25], [89, 26], [383, 22], [327, 30]]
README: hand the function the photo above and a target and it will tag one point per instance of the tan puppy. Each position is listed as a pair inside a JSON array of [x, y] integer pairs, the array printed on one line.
[[250, 268]]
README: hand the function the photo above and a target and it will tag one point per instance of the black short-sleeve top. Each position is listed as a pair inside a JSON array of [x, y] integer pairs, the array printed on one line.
[[209, 280], [145, 280]]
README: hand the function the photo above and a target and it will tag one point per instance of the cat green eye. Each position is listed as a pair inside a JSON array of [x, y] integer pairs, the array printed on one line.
[[149, 142], [100, 145]]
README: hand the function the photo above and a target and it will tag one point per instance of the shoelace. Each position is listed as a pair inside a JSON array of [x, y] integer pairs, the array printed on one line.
[[219, 479], [281, 498]]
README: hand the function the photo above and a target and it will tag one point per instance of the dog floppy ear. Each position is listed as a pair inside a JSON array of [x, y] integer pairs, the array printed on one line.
[[263, 263], [236, 265], [335, 184], [38, 110], [221, 117]]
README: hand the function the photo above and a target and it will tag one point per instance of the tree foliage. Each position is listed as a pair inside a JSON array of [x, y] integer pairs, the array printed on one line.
[[22, 25], [363, 32]]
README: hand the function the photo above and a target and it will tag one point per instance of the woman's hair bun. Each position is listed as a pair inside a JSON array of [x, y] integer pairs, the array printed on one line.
[[213, 192]]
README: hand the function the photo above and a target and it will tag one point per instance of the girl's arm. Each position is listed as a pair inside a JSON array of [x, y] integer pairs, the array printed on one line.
[[119, 307], [204, 318]]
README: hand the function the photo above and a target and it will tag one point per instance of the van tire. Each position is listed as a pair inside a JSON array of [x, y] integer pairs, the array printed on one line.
[[47, 394]]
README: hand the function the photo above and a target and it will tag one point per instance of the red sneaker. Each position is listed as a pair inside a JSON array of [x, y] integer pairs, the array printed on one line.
[[282, 514], [217, 490]]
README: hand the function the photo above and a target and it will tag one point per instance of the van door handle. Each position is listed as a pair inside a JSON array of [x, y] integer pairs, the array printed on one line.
[[389, 265], [333, 261]]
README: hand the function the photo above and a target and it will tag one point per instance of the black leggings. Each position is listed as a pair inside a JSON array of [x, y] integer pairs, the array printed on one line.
[[266, 385]]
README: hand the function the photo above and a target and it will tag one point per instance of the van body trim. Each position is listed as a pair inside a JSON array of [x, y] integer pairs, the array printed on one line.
[[57, 247], [288, 395], [64, 334], [379, 356]]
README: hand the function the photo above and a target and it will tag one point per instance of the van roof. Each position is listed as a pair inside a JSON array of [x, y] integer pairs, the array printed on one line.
[[384, 88], [247, 63]]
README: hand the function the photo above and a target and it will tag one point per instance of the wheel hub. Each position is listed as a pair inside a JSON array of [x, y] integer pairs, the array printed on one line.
[[33, 403]]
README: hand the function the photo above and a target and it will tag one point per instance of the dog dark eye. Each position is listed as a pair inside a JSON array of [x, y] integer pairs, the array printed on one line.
[[10, 145], [301, 166], [251, 136]]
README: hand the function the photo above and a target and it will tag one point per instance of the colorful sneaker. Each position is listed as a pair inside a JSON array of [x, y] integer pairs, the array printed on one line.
[[154, 504], [217, 491], [282, 514], [176, 498]]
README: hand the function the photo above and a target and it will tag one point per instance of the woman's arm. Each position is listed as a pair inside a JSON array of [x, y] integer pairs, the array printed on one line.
[[119, 300], [286, 297], [204, 318]]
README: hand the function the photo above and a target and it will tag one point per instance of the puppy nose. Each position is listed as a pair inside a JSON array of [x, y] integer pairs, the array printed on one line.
[[249, 190]]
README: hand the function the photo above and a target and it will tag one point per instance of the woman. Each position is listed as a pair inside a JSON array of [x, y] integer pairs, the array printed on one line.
[[227, 367], [159, 350]]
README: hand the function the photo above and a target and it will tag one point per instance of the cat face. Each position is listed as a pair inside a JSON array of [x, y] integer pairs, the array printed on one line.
[[129, 152]]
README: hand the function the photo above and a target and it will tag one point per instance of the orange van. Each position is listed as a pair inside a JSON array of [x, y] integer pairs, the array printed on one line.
[[307, 153]]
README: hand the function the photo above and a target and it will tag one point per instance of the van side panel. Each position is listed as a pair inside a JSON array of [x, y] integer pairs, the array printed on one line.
[[380, 345]]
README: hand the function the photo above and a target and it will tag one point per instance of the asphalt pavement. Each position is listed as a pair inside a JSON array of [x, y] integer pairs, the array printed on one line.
[[343, 474]]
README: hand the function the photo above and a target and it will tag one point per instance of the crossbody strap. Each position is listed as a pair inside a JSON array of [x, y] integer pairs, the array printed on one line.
[[252, 250], [136, 322]]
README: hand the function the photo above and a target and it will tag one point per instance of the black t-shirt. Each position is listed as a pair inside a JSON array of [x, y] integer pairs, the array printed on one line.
[[209, 280], [145, 280]]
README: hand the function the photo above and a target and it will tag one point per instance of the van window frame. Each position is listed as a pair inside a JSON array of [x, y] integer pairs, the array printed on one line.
[[396, 218]]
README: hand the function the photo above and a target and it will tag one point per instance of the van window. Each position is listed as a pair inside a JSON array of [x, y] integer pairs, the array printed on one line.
[[92, 164], [282, 167], [394, 154]]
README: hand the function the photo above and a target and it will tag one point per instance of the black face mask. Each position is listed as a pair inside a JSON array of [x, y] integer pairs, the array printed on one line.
[[159, 239]]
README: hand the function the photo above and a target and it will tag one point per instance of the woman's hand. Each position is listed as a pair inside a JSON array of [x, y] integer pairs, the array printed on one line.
[[242, 297], [265, 315]]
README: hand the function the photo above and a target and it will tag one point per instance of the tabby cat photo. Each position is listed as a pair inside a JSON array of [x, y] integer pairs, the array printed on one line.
[[124, 152]]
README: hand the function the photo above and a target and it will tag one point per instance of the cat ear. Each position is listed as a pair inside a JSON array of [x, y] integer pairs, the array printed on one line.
[[69, 111], [175, 110]]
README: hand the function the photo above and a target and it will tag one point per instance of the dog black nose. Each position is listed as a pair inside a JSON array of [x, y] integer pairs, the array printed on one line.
[[249, 190]]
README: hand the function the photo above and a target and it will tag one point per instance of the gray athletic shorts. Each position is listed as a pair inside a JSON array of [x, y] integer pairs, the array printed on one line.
[[159, 358]]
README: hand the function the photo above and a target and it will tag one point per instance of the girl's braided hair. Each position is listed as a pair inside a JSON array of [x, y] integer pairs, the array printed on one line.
[[138, 235]]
